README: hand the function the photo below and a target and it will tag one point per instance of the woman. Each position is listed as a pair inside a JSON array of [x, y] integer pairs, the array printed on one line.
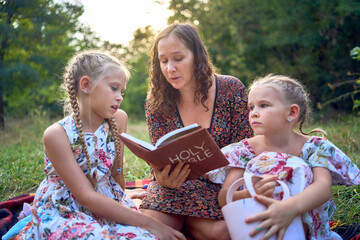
[[183, 90]]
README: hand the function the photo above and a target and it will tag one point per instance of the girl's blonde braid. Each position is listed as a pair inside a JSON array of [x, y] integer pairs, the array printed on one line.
[[71, 88], [117, 170]]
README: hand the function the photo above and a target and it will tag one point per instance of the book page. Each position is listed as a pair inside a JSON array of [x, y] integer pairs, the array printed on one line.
[[138, 141], [176, 133]]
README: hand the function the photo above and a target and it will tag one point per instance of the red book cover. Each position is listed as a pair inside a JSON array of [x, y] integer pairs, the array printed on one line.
[[192, 144]]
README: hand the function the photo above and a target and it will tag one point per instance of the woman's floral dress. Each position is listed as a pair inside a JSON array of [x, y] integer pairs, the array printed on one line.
[[56, 214], [296, 173], [229, 124]]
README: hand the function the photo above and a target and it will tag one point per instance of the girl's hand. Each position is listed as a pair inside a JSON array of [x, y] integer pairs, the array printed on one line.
[[165, 232], [136, 193], [276, 218], [175, 178], [266, 185]]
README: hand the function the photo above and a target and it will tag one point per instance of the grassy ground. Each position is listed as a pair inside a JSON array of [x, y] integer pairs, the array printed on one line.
[[21, 158]]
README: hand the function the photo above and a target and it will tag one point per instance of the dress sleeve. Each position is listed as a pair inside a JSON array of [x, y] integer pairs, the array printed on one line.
[[238, 154], [240, 126], [323, 153]]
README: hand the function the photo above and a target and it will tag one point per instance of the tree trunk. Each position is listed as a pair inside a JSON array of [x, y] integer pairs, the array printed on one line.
[[2, 115], [4, 45]]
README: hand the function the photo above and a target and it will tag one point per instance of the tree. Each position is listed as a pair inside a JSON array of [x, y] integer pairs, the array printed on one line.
[[37, 38], [137, 57], [308, 40], [352, 80]]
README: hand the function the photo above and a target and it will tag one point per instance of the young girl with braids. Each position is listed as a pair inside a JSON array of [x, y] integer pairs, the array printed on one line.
[[309, 165], [82, 196]]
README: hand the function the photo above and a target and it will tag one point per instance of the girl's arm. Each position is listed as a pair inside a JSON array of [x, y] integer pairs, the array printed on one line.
[[265, 186], [280, 214], [233, 175], [58, 149]]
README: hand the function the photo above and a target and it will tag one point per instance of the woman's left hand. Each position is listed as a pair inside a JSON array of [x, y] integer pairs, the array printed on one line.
[[173, 179], [276, 218]]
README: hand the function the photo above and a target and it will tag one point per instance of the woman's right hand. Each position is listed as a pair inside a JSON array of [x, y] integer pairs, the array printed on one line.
[[175, 178]]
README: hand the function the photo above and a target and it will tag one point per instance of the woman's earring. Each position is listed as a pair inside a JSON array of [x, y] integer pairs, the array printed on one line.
[[87, 91], [289, 120]]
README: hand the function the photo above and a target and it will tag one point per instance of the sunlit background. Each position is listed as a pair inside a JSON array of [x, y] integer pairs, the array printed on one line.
[[116, 20]]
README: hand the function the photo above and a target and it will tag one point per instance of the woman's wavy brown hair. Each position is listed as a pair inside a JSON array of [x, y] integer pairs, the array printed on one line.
[[162, 97]]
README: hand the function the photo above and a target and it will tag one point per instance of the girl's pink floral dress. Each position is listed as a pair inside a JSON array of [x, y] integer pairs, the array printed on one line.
[[296, 173], [57, 215]]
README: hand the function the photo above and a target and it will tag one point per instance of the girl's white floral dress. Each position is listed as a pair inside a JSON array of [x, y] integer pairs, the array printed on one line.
[[56, 214], [296, 173]]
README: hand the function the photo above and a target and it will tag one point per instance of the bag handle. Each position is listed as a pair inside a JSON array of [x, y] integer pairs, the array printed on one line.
[[233, 187], [248, 176], [247, 180]]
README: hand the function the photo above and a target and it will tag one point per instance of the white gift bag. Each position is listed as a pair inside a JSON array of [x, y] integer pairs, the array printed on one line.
[[235, 213]]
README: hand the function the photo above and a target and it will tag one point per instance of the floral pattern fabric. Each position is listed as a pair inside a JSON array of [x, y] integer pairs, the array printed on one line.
[[56, 214], [229, 124], [296, 173]]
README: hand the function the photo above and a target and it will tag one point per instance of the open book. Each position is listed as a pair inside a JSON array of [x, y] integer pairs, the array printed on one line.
[[191, 144]]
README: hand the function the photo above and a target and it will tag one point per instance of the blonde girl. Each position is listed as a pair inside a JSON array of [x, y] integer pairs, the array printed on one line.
[[82, 196], [309, 165]]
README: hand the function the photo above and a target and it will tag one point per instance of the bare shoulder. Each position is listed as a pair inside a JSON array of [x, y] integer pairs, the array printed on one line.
[[53, 131], [55, 137], [256, 143], [121, 120]]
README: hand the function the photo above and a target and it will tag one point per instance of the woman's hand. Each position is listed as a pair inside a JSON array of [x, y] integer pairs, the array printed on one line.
[[276, 218], [175, 178]]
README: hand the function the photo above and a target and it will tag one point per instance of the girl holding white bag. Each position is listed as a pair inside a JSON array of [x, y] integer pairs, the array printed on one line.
[[309, 165]]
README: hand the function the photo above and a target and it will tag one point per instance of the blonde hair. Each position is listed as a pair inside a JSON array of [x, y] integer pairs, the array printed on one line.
[[294, 93], [94, 65]]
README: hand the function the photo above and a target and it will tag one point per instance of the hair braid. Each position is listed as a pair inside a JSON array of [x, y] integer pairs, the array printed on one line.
[[72, 89], [118, 161]]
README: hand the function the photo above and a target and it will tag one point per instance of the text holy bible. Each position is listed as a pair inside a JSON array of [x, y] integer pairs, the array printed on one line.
[[192, 144]]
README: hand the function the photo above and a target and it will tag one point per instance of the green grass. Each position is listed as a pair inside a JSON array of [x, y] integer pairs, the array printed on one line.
[[21, 158]]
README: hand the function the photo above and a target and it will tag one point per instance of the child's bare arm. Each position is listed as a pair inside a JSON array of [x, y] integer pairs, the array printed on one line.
[[280, 214], [233, 175]]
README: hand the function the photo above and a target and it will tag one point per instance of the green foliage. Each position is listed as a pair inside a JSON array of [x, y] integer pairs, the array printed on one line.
[[309, 40], [355, 54], [36, 43], [353, 80], [138, 59]]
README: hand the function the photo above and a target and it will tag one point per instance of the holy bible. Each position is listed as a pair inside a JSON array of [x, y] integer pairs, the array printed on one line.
[[191, 144]]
